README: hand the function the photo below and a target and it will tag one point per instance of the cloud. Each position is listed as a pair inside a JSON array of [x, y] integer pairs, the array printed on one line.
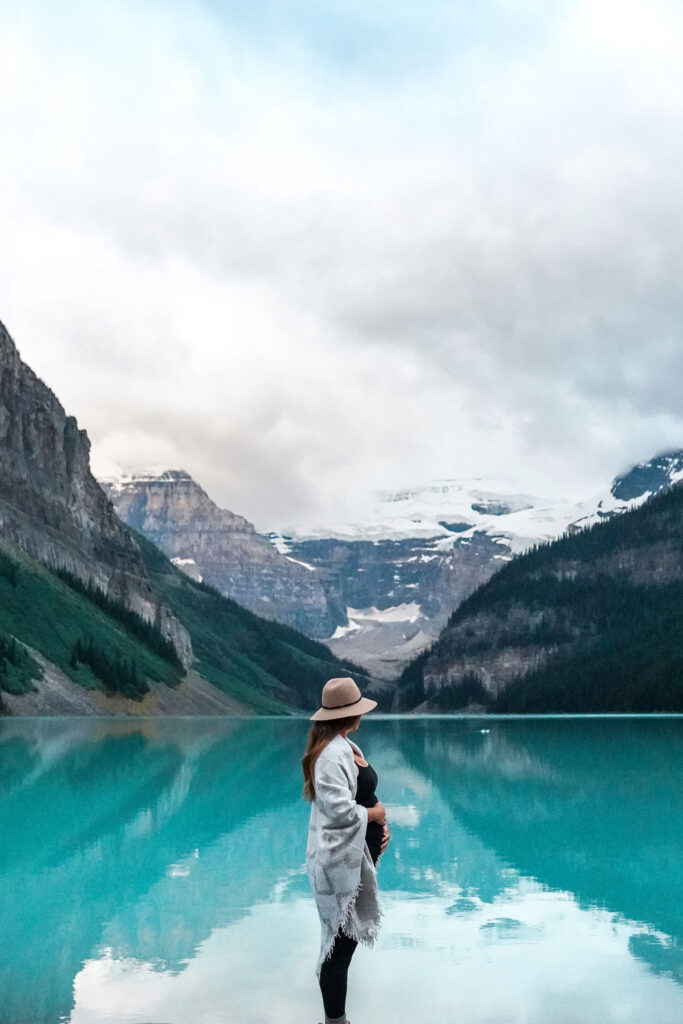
[[305, 251]]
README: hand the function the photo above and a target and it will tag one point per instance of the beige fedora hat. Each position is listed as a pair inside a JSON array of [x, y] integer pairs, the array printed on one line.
[[342, 699]]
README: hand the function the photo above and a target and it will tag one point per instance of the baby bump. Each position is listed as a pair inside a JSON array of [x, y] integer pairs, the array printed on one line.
[[373, 838]]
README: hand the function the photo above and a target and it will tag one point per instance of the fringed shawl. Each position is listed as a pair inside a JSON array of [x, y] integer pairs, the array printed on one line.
[[340, 869]]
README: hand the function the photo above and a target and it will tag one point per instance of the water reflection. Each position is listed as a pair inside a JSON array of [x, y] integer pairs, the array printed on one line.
[[154, 871], [594, 806], [88, 847]]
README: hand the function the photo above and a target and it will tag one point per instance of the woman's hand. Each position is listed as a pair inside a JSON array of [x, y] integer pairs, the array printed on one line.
[[377, 813], [385, 838]]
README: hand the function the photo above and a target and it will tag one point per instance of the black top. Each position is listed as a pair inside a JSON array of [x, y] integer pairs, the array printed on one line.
[[365, 796]]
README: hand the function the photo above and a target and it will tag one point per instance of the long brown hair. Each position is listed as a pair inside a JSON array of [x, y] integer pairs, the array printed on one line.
[[319, 735]]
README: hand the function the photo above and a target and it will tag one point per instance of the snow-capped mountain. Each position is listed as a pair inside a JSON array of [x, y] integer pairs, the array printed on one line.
[[404, 569], [466, 506]]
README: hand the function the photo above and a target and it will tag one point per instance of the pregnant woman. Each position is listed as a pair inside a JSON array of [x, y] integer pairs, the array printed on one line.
[[346, 836]]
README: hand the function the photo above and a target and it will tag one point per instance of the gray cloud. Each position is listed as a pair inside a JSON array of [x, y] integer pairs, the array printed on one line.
[[299, 278]]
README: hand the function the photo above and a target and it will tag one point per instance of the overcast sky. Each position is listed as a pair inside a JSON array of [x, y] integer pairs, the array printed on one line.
[[304, 249]]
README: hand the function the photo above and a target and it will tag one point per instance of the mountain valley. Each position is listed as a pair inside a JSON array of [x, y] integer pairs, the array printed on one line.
[[380, 591]]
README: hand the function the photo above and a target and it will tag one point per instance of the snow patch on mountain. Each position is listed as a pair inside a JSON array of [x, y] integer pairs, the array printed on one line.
[[397, 613], [342, 631], [359, 618], [189, 567], [151, 474], [297, 561]]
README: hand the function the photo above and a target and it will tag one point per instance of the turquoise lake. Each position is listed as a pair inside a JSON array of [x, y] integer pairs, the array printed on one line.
[[152, 872]]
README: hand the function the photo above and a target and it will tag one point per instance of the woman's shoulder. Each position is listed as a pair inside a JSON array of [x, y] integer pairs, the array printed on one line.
[[337, 748]]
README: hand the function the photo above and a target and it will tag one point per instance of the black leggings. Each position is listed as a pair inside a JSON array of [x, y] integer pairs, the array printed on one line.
[[333, 974]]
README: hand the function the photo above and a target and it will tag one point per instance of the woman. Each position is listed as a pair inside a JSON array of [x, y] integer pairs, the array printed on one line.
[[346, 836]]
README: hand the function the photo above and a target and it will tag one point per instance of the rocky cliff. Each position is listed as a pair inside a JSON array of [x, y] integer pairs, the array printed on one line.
[[224, 550], [52, 507]]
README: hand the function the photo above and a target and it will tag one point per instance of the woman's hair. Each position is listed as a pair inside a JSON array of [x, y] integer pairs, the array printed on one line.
[[319, 735]]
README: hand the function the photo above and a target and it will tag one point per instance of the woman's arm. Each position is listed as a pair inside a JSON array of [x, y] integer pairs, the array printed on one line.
[[377, 813]]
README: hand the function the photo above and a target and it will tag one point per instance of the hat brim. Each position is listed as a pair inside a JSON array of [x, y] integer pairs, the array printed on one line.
[[361, 708]]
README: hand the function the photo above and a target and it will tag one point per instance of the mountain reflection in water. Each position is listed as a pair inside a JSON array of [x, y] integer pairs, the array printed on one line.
[[154, 871]]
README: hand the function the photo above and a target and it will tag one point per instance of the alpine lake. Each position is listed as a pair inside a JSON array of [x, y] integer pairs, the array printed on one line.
[[153, 872]]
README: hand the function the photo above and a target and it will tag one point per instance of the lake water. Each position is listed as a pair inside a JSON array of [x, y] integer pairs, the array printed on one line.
[[153, 871]]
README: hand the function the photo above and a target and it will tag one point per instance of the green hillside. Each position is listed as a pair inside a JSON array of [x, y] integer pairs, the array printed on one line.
[[251, 659], [590, 622], [40, 609], [99, 644]]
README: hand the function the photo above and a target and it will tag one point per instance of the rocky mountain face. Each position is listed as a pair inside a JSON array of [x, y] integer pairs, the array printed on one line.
[[224, 550], [591, 621], [52, 507], [648, 478], [395, 593]]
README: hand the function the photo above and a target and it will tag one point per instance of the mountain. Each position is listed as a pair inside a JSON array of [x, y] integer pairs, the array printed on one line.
[[399, 574], [223, 549], [592, 621], [377, 592], [96, 620], [52, 507]]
